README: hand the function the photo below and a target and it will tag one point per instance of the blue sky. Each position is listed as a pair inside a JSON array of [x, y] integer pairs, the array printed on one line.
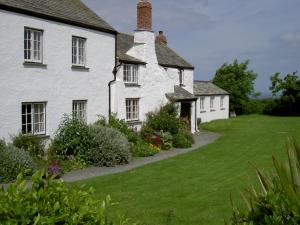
[[208, 33]]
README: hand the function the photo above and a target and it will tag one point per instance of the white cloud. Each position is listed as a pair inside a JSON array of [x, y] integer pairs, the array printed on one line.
[[291, 38]]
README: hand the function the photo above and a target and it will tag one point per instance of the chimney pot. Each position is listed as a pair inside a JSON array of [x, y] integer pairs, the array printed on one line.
[[161, 38]]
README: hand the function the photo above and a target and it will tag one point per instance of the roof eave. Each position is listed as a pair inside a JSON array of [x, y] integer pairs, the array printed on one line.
[[176, 66], [56, 19], [210, 94], [132, 62]]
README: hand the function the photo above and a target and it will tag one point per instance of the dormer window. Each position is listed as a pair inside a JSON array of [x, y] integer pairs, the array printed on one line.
[[130, 73]]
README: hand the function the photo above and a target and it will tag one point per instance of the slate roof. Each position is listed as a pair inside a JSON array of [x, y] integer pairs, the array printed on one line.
[[166, 57], [125, 42], [72, 12], [207, 88], [180, 94]]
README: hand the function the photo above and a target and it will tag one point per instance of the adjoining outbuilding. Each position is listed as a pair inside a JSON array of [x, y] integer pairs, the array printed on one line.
[[212, 101]]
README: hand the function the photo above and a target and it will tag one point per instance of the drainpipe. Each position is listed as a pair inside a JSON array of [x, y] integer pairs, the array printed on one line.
[[115, 71], [196, 115]]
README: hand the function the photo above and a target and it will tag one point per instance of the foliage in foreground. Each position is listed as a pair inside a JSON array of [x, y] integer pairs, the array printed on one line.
[[13, 161], [50, 201], [278, 200], [238, 80]]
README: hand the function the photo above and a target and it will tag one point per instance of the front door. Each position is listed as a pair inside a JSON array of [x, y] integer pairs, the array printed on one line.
[[185, 113]]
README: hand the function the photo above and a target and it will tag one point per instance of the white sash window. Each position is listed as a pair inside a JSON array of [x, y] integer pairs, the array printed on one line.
[[34, 118], [33, 45]]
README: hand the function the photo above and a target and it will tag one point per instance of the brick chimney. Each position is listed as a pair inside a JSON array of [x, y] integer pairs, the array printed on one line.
[[161, 38], [144, 15]]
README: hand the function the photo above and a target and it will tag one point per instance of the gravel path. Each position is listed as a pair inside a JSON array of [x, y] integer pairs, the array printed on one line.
[[201, 139]]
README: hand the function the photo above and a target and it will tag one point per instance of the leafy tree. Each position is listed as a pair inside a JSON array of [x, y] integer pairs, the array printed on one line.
[[289, 87], [238, 80]]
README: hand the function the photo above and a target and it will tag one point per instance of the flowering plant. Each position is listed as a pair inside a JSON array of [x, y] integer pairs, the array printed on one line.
[[54, 169], [154, 148]]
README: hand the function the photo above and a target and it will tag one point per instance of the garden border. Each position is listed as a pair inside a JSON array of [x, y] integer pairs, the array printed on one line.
[[201, 139]]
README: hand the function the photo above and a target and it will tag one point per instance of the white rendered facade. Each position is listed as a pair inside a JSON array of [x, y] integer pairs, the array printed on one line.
[[153, 81], [212, 107], [53, 81]]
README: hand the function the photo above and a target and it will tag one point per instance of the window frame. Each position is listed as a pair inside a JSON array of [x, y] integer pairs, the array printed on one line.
[[132, 73], [222, 98], [33, 118], [212, 100], [202, 103], [181, 77], [77, 113], [129, 109], [77, 47], [29, 51]]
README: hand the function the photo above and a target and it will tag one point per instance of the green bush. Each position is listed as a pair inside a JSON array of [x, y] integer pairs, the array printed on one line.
[[167, 140], [13, 161], [31, 143], [71, 138], [50, 201], [277, 202], [180, 140], [165, 119], [109, 147], [2, 144]]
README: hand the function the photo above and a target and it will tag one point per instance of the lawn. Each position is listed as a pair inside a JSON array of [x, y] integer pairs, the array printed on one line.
[[196, 187]]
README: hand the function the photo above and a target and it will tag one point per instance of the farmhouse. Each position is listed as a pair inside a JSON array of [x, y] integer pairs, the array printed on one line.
[[58, 57]]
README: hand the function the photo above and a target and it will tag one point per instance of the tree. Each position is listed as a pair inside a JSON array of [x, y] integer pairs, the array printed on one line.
[[289, 88], [238, 80]]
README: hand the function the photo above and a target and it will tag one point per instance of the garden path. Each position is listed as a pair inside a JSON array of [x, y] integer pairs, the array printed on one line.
[[201, 139]]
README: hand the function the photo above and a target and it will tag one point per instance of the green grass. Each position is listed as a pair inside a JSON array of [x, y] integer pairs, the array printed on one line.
[[197, 186]]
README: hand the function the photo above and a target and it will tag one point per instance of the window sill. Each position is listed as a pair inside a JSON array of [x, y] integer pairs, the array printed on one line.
[[83, 68], [34, 64], [41, 136], [132, 85], [212, 110], [202, 111], [222, 109], [135, 122]]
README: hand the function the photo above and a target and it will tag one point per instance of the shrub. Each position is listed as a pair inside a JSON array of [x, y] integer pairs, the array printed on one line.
[[109, 147], [31, 143], [2, 144], [71, 138], [167, 140], [278, 200], [166, 119], [122, 126], [181, 141], [13, 161], [143, 149], [50, 201]]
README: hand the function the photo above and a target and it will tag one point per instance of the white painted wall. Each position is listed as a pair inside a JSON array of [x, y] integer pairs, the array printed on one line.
[[207, 114], [57, 84], [154, 80]]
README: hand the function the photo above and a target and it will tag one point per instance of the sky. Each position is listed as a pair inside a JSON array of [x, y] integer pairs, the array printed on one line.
[[209, 33]]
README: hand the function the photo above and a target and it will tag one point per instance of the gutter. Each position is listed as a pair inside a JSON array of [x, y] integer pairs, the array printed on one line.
[[115, 71]]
